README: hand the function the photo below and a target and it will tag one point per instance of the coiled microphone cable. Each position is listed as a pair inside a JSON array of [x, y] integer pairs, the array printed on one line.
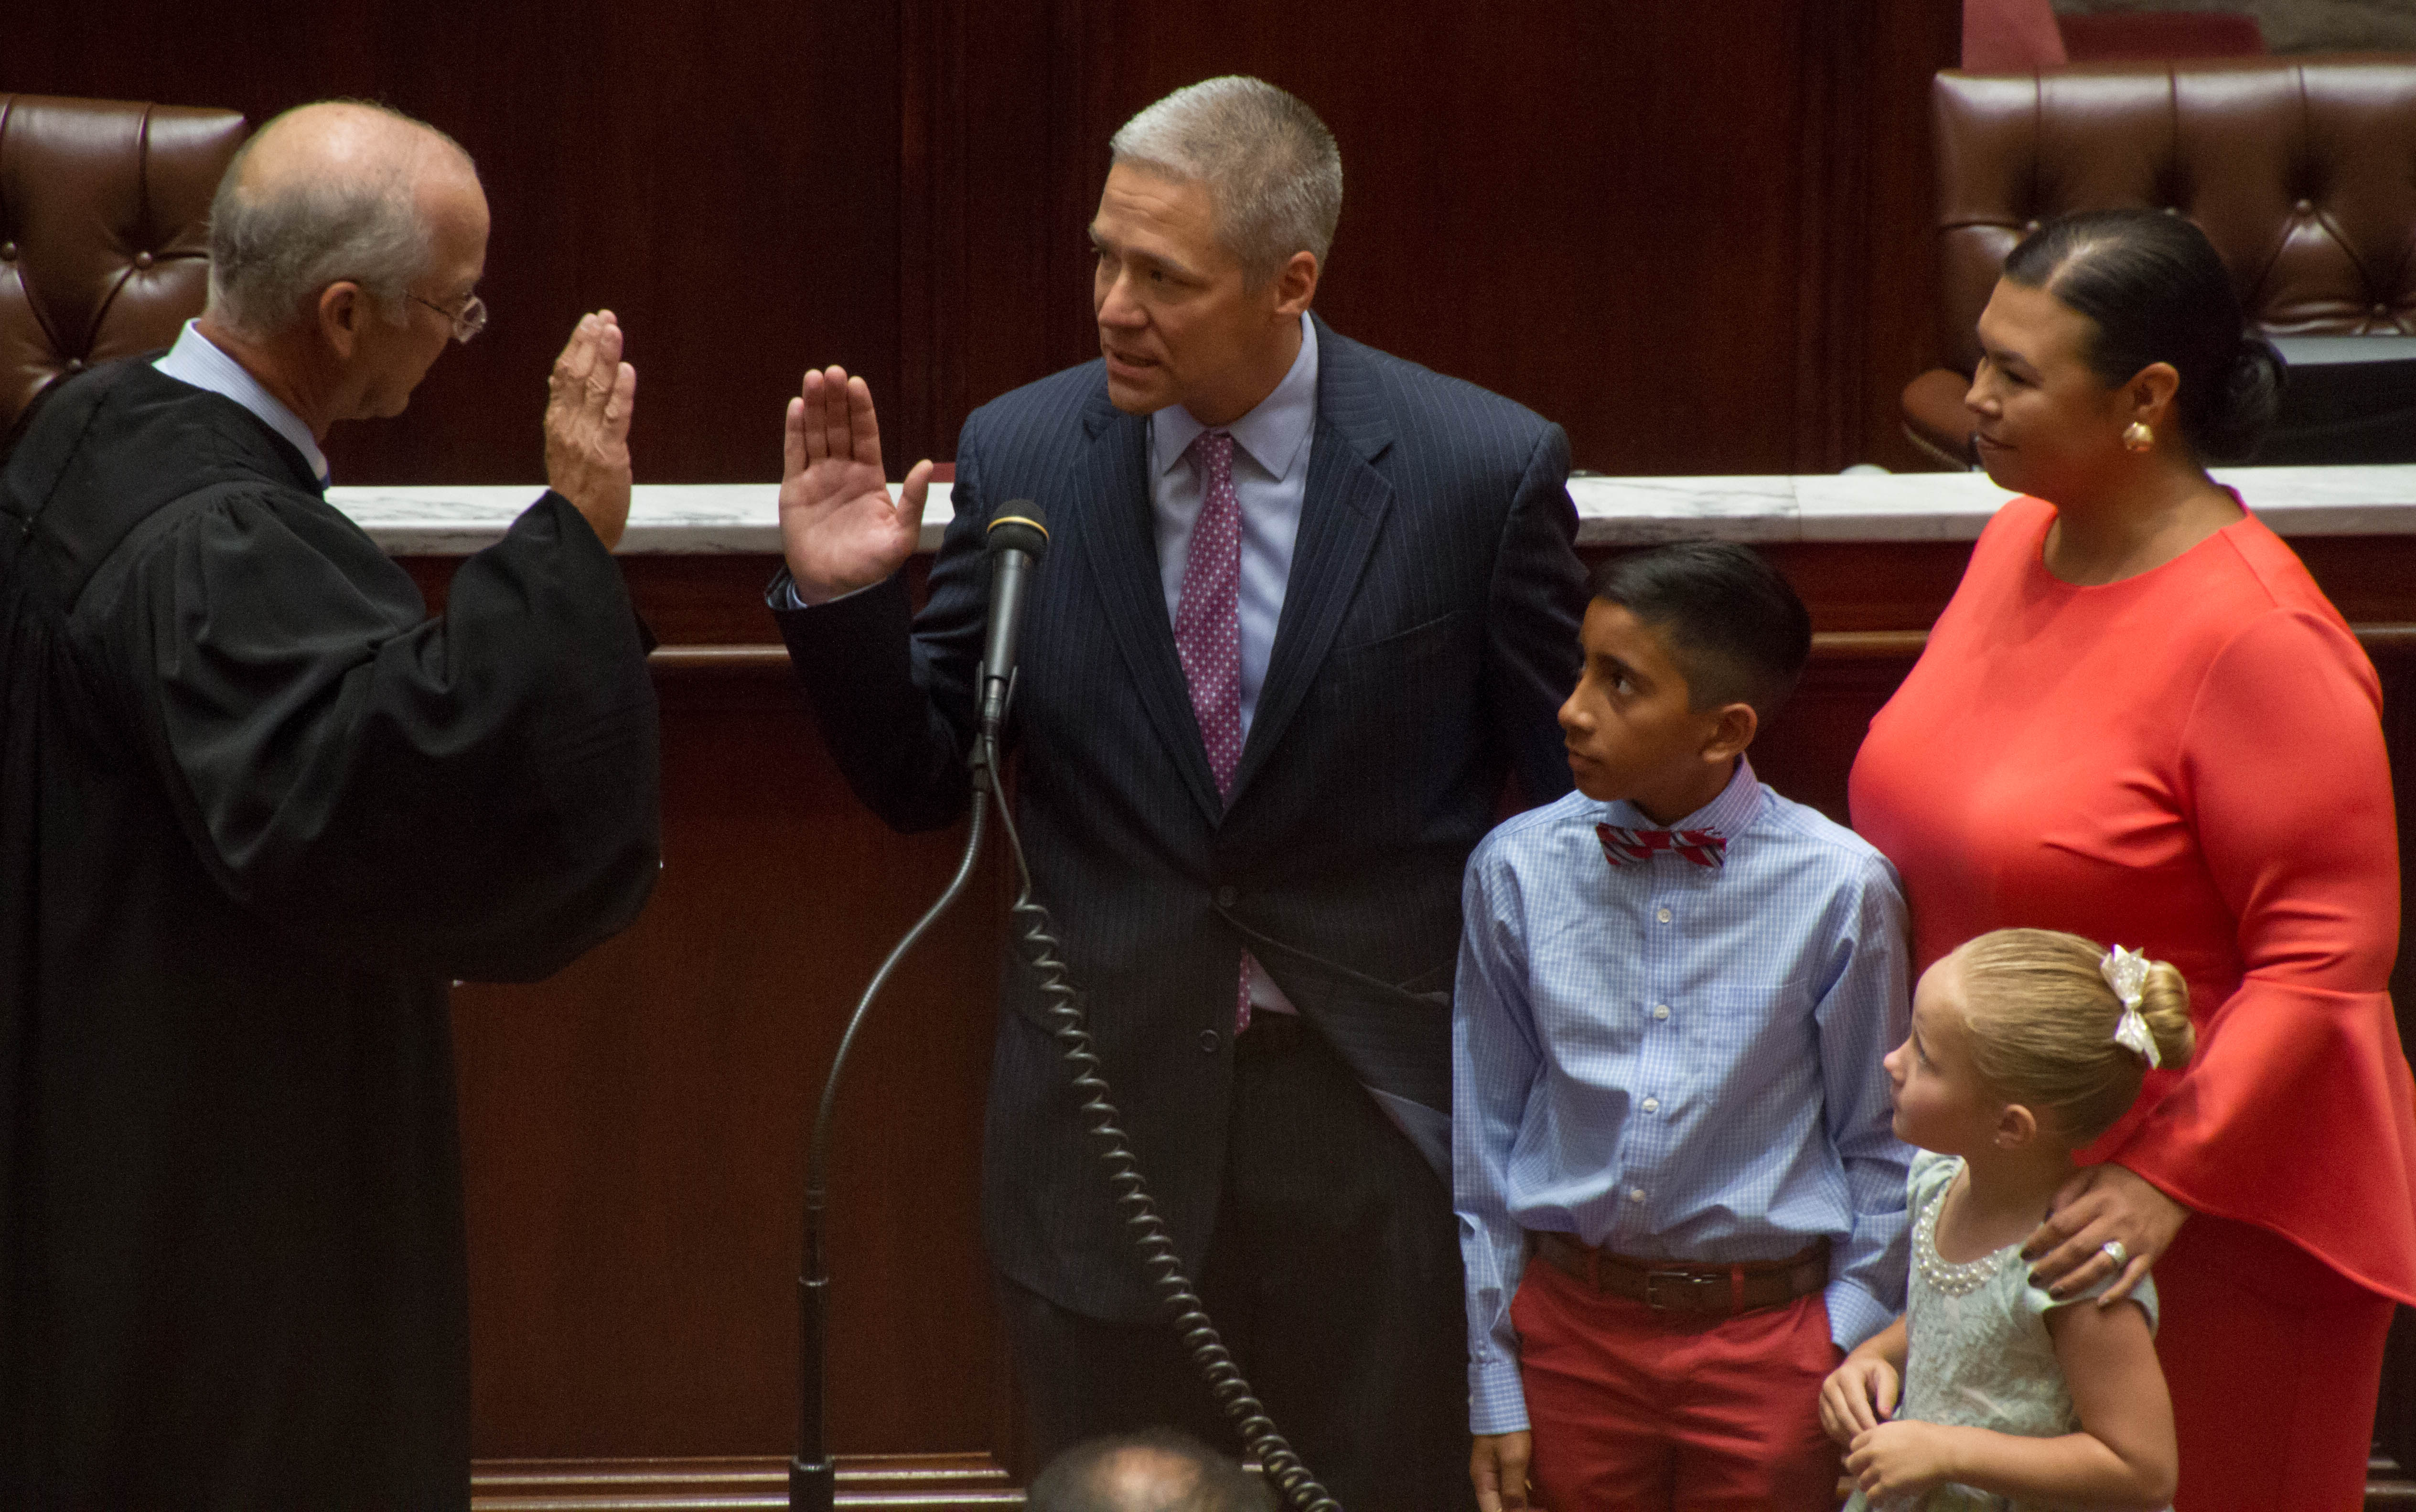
[[1070, 1026]]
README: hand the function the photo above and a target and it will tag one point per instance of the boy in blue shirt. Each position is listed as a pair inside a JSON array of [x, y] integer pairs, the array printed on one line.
[[1679, 1200]]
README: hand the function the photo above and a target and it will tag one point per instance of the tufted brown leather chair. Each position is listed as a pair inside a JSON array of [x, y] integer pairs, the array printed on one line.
[[104, 233], [2298, 169]]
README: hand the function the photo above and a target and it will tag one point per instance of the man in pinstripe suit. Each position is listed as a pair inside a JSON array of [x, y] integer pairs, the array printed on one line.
[[1307, 607]]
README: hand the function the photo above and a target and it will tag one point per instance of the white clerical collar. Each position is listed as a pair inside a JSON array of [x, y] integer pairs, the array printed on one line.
[[197, 360]]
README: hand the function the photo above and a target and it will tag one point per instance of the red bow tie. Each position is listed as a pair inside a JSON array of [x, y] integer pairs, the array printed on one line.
[[1620, 845]]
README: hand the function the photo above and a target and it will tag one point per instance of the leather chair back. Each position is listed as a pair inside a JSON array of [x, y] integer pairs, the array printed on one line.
[[2297, 169], [104, 232]]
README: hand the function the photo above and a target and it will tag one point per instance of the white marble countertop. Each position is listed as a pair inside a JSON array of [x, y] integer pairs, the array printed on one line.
[[709, 518]]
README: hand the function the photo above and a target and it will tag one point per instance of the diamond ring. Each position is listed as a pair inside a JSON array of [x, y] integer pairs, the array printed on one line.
[[2115, 1252]]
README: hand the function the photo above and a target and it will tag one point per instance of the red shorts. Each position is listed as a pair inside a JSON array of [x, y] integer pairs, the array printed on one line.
[[1635, 1409]]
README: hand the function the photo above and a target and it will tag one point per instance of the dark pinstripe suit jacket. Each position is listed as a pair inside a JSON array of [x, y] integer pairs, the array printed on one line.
[[1429, 633]]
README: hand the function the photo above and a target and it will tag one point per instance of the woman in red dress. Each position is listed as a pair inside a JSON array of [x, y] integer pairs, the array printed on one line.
[[2140, 720]]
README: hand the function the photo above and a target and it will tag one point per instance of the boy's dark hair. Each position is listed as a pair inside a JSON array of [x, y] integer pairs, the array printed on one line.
[[1205, 1481], [1733, 624]]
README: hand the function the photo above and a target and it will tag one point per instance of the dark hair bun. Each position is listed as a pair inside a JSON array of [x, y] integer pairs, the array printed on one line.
[[2236, 426]]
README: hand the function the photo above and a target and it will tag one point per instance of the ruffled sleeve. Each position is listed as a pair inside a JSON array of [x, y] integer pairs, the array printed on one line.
[[2295, 1112], [1928, 1180], [2038, 1300]]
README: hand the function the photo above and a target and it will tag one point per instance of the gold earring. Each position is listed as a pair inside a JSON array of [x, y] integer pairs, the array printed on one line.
[[2137, 437]]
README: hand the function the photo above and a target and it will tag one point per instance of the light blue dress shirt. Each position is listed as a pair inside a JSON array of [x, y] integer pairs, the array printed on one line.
[[197, 360], [1676, 1061]]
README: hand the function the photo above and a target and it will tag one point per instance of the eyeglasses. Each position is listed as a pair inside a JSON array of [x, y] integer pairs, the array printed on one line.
[[468, 321]]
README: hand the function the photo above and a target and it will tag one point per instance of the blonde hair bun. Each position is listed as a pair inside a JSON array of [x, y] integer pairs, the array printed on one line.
[[2165, 1003], [2043, 1021]]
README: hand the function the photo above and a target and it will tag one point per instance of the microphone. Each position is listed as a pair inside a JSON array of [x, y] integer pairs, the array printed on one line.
[[1018, 540]]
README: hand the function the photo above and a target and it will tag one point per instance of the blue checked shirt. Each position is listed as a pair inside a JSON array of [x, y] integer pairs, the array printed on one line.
[[1677, 1061]]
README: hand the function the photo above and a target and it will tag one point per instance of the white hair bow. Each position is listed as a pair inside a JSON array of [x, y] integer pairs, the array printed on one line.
[[2126, 972]]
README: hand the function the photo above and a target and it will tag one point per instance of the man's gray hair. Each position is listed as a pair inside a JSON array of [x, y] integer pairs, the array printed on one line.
[[271, 252], [1271, 167]]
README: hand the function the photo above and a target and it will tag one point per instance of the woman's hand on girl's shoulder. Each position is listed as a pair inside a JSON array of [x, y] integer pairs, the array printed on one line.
[[2101, 1204]]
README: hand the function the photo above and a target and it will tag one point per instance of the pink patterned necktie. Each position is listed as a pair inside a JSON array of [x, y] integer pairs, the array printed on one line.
[[1208, 630]]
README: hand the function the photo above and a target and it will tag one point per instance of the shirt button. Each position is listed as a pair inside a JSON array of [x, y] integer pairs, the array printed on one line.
[[1660, 1010], [1652, 1105], [1635, 1194], [1663, 916], [1208, 1041], [1228, 897]]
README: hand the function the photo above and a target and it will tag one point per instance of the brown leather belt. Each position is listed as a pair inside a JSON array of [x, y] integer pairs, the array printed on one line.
[[1678, 1286]]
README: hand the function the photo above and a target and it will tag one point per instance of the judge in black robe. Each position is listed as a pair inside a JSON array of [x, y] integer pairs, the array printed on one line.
[[257, 809]]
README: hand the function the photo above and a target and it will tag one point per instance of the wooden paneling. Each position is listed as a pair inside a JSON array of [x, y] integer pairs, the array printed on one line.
[[723, 176], [1650, 224], [633, 1128], [1698, 237], [1895, 319], [927, 1482]]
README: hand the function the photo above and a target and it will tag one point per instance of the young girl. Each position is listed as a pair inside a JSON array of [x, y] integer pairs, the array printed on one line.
[[2026, 1045]]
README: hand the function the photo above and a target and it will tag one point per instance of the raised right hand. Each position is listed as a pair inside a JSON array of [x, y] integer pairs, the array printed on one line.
[[589, 400], [839, 529], [1498, 1465], [1859, 1395]]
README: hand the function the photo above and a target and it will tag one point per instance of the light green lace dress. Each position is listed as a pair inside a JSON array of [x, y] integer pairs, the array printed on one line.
[[1978, 1353]]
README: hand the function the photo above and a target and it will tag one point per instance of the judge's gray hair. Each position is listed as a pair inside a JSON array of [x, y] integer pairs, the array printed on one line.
[[1271, 167], [271, 252]]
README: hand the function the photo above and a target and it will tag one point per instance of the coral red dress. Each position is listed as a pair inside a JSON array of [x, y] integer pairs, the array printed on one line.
[[2190, 762]]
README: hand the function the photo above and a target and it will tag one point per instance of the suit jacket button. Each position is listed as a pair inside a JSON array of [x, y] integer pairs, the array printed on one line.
[[1209, 1040], [1227, 896]]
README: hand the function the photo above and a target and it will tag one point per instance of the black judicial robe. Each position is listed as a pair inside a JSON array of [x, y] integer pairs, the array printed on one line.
[[256, 811]]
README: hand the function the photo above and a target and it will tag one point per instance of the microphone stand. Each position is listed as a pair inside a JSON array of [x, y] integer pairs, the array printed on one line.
[[813, 1478], [1016, 541]]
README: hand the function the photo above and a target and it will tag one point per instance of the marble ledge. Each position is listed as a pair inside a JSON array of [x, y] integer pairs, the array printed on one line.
[[704, 519]]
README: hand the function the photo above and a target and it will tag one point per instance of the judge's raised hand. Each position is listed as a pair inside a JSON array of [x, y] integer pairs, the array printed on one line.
[[2067, 1253], [588, 403], [840, 528]]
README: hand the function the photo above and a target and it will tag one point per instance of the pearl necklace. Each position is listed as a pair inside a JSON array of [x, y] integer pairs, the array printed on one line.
[[1951, 1278]]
